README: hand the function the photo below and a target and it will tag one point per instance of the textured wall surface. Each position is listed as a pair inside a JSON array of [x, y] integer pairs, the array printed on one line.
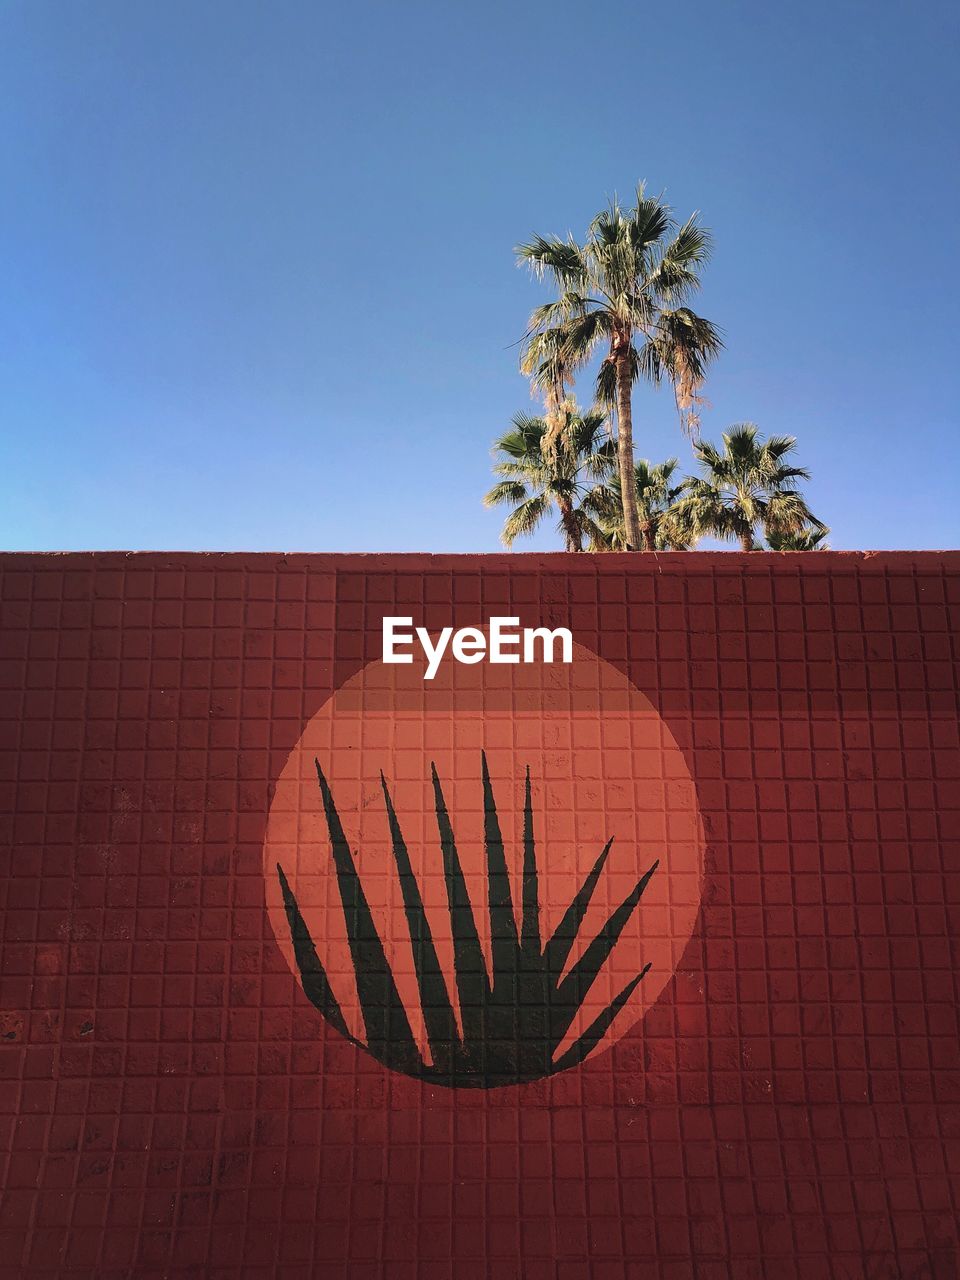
[[173, 1105]]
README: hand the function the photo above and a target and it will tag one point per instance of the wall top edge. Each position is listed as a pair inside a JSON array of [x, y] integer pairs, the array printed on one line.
[[610, 562]]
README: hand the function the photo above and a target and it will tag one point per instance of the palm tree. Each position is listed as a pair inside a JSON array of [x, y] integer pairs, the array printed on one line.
[[535, 480], [625, 288], [745, 488], [655, 496], [811, 539]]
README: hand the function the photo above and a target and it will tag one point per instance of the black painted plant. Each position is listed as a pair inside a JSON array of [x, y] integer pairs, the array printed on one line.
[[511, 1022]]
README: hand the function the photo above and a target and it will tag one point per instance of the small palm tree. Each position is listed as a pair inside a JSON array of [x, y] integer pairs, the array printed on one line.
[[625, 288], [812, 539], [746, 488], [535, 480], [656, 496]]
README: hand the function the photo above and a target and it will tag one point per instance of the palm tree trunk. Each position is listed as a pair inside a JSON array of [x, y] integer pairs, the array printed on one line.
[[631, 518], [649, 537], [570, 530], [746, 541]]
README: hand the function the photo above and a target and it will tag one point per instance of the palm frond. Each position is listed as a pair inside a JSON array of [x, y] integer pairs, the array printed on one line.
[[582, 333], [650, 220], [810, 539], [562, 259], [788, 512], [606, 386], [677, 272], [505, 491], [524, 519]]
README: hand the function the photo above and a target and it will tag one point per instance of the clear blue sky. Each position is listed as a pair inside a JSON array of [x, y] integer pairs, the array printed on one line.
[[258, 290]]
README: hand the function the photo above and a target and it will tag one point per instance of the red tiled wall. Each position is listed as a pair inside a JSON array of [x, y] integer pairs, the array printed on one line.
[[171, 1104]]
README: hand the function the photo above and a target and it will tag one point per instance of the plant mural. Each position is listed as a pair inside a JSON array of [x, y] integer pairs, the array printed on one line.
[[513, 1019]]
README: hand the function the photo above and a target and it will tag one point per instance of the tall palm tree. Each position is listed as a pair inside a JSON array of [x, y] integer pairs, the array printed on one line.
[[625, 288], [534, 480], [812, 539], [745, 488], [656, 496]]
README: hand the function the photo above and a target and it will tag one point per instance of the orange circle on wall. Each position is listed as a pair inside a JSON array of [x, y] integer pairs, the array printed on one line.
[[493, 929]]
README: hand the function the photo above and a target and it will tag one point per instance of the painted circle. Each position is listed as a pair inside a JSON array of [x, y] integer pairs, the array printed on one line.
[[602, 763]]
